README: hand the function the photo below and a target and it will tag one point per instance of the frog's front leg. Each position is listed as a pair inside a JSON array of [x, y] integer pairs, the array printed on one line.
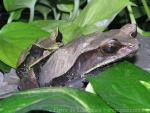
[[28, 82], [28, 79], [29, 69]]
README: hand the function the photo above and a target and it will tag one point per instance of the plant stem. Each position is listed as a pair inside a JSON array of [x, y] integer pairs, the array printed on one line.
[[55, 13], [45, 16], [132, 18], [75, 10], [131, 14], [147, 10], [10, 18], [58, 16], [31, 14]]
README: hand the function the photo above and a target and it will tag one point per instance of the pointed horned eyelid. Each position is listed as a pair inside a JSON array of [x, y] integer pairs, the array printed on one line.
[[109, 40]]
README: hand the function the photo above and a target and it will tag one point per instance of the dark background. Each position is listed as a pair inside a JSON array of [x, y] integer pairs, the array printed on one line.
[[3, 14]]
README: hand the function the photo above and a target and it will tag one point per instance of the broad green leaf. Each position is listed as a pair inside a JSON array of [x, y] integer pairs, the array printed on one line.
[[99, 10], [95, 17], [60, 100], [71, 31], [68, 29], [124, 87], [48, 25], [12, 5], [16, 37]]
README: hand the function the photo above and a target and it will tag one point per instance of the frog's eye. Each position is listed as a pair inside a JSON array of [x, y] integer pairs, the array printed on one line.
[[36, 51], [112, 46]]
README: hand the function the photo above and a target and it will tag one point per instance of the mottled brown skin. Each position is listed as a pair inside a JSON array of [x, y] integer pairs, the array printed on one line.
[[29, 74], [28, 79], [87, 53]]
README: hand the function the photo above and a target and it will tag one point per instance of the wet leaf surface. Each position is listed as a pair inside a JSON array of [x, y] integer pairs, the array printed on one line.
[[14, 41], [60, 100], [124, 87]]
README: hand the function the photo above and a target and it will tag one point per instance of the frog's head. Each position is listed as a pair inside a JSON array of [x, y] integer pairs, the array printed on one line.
[[123, 43], [118, 44]]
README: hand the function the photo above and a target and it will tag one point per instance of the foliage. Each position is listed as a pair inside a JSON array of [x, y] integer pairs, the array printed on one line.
[[14, 41], [17, 36], [60, 100], [126, 90], [138, 12], [122, 88]]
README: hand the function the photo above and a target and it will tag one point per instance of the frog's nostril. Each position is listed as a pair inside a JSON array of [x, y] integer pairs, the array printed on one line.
[[134, 34]]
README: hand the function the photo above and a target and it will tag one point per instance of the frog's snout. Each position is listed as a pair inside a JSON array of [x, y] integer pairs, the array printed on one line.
[[134, 34], [130, 29]]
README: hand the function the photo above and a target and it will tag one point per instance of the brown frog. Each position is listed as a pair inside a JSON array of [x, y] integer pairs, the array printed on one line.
[[72, 62], [83, 55]]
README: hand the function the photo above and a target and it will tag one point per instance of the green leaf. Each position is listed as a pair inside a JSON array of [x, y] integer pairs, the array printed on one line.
[[15, 15], [124, 87], [48, 25], [65, 7], [43, 10], [46, 3], [71, 31], [65, 16], [11, 5], [91, 20], [4, 68], [138, 11], [60, 100], [99, 10], [16, 37]]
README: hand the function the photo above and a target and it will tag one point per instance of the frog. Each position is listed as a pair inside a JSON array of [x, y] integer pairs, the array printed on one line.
[[32, 59], [75, 60]]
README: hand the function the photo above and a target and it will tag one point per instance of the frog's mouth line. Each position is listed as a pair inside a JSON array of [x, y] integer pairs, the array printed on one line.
[[115, 58], [83, 82], [102, 68]]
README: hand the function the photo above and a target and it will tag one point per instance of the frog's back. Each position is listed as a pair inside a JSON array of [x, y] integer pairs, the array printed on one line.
[[67, 56]]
